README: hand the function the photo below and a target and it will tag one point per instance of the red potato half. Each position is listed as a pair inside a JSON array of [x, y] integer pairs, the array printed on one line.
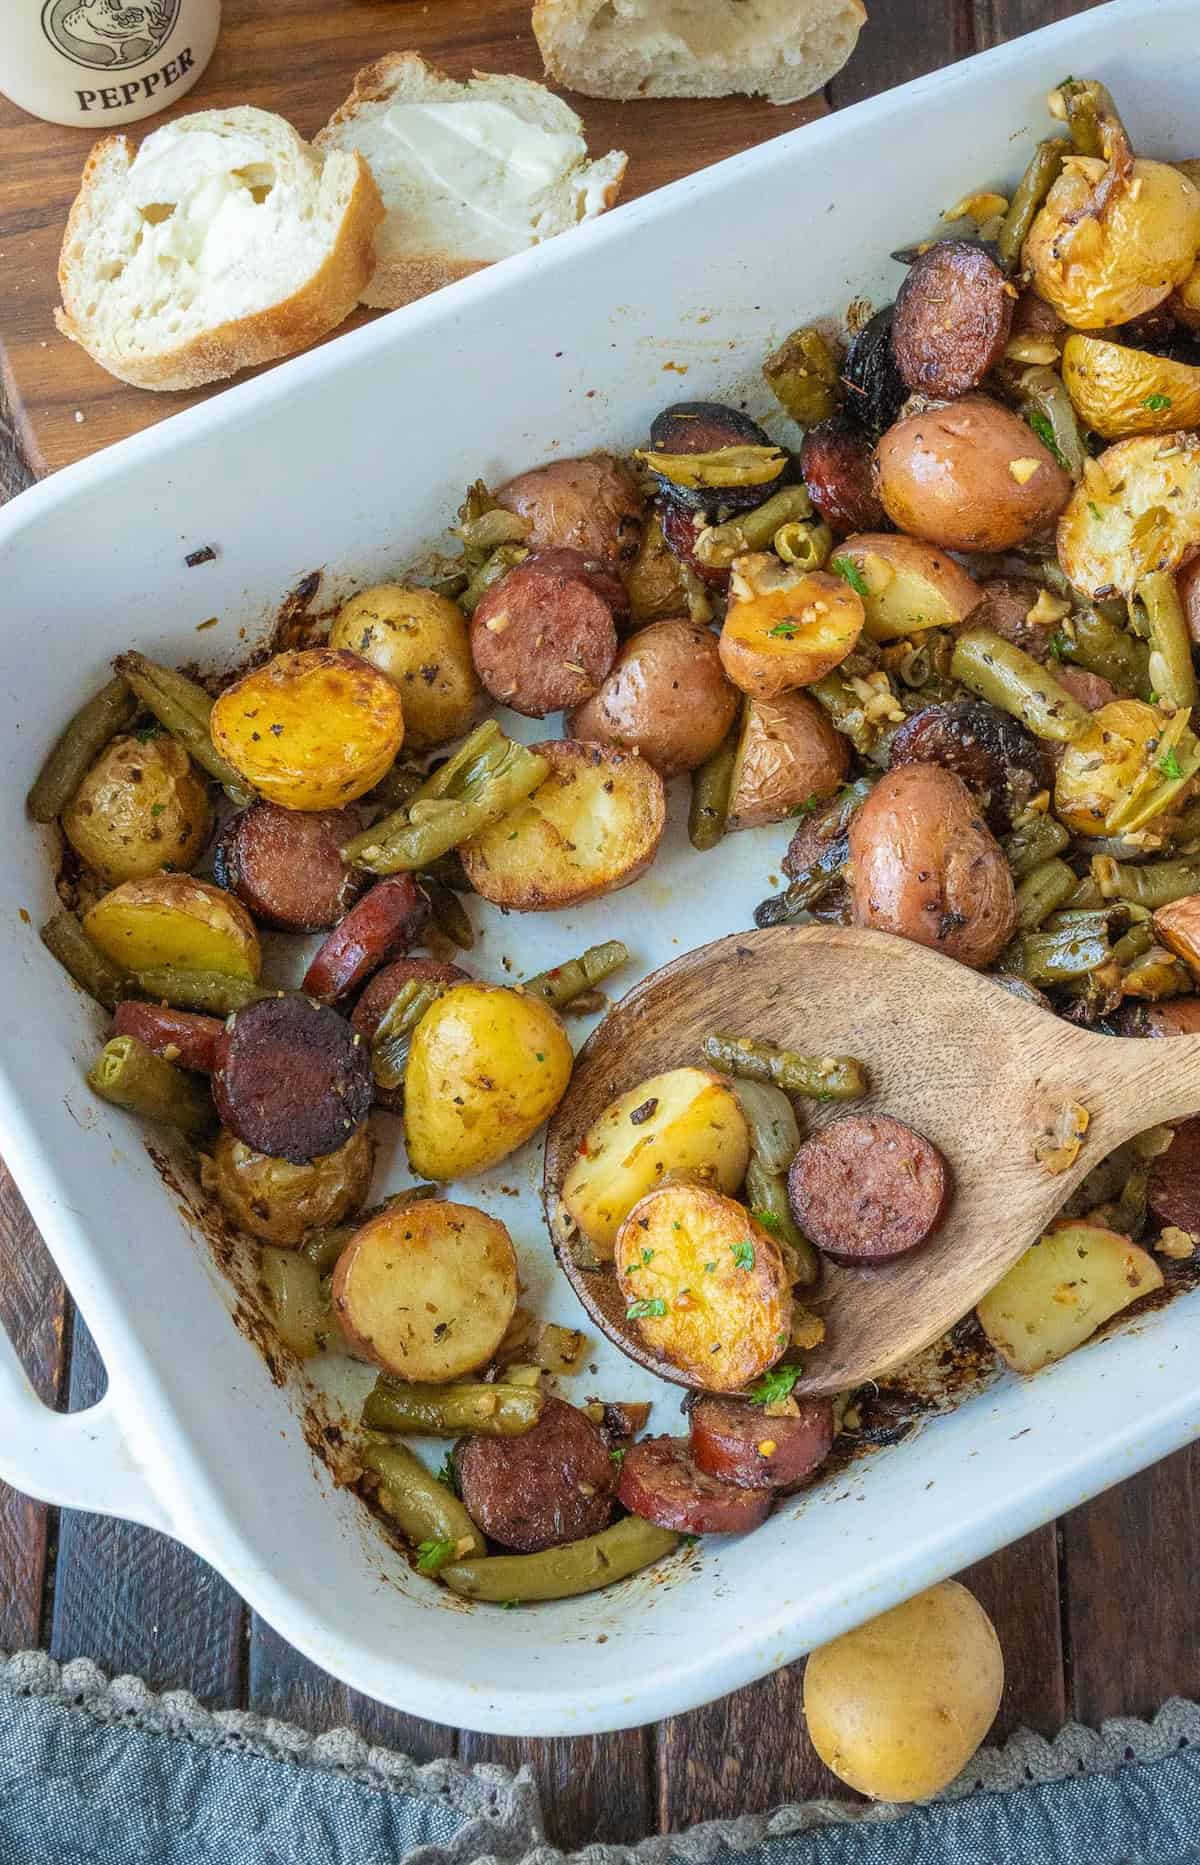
[[783, 629], [666, 697], [969, 476], [789, 756]]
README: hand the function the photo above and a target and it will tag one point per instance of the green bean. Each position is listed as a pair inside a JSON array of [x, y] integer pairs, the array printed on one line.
[[845, 707], [133, 1077], [1133, 944], [1186, 826], [449, 872], [1036, 841], [712, 784], [561, 1573], [1158, 973], [427, 1512], [803, 374], [183, 706], [1041, 892], [1048, 958], [1153, 884], [1090, 922], [92, 971], [826, 1078], [815, 881], [1097, 643], [562, 984], [300, 1304], [323, 1247], [398, 787], [767, 1197], [214, 991], [448, 913], [1043, 171], [1009, 678], [1172, 674], [484, 534], [1086, 894], [486, 779], [1091, 116], [808, 547], [393, 1033], [488, 1410], [774, 1132], [718, 545], [505, 558], [75, 751], [1050, 412]]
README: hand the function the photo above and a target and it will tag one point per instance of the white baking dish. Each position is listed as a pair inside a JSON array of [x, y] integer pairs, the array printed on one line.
[[351, 458]]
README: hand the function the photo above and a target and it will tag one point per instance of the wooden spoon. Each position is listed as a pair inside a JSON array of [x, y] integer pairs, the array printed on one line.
[[984, 1075]]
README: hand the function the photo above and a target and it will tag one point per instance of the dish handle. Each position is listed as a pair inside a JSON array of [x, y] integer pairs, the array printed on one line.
[[75, 1460]]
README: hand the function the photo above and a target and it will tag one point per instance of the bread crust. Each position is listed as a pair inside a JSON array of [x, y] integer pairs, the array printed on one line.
[[319, 305]]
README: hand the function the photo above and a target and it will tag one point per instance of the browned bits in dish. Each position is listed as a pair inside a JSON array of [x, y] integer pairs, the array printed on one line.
[[552, 1484], [292, 1078], [953, 316], [867, 1188], [286, 865], [660, 1482], [544, 637]]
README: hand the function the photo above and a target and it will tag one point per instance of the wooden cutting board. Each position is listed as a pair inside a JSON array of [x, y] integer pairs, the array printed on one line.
[[297, 57]]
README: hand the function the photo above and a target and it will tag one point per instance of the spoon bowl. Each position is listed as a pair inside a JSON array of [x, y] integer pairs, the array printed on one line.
[[985, 1075]]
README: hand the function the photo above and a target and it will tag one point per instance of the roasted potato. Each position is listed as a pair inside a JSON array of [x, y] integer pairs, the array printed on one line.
[[783, 628], [969, 476], [898, 1707], [687, 1122], [592, 827], [171, 919], [1112, 779], [1178, 928], [311, 729], [427, 1291], [1060, 1292], [1104, 268], [1184, 304], [1189, 594], [1117, 390], [666, 698], [141, 808], [706, 1285], [281, 1202], [591, 505], [654, 581], [789, 755], [420, 640], [1137, 509], [906, 585], [486, 1067], [925, 866]]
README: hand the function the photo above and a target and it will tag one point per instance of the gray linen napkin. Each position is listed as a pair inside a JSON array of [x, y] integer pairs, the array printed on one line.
[[93, 1773]]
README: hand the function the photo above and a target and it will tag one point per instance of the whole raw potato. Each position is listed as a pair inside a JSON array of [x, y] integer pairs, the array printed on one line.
[[898, 1707], [969, 476]]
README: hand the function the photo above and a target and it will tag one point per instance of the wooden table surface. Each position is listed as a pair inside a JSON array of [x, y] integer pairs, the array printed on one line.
[[1098, 1614]]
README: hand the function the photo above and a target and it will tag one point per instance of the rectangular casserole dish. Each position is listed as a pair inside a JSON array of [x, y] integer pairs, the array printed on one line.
[[351, 458]]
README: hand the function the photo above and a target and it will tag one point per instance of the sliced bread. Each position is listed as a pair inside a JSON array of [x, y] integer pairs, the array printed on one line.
[[781, 49], [225, 240], [469, 172]]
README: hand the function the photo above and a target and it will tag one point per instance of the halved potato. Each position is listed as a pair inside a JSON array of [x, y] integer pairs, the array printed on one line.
[[1185, 303], [789, 755], [654, 581], [1120, 391], [142, 807], [1178, 927], [420, 640], [1112, 780], [281, 1202], [312, 729], [171, 919], [590, 828], [706, 1285], [906, 585], [687, 1122], [785, 628], [1137, 509], [1061, 1291], [1105, 268], [485, 1068], [427, 1291]]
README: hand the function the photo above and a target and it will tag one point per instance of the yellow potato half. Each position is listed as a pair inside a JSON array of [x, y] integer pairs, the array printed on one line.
[[171, 919], [420, 640], [1061, 1291], [1119, 391], [312, 729]]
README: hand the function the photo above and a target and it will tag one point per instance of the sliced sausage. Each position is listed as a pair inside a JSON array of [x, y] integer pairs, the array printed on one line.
[[1173, 1191], [867, 1188], [707, 427], [544, 637], [680, 530], [1178, 1017], [592, 505], [875, 389], [286, 865], [179, 1035], [660, 1483], [552, 1484], [379, 993], [1090, 689], [954, 313], [836, 467], [735, 1441], [386, 920], [292, 1078], [1007, 604], [1001, 763]]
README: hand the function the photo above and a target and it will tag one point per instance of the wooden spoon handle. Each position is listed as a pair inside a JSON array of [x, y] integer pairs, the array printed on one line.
[[1130, 1083]]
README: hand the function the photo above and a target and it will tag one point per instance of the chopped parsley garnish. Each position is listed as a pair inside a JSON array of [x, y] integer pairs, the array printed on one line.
[[1169, 765], [647, 1256], [156, 809], [1043, 428], [432, 1556], [1156, 403], [786, 631], [509, 1605], [1094, 509], [1057, 646], [773, 1386], [446, 1473], [145, 733], [644, 1310], [617, 1456], [688, 1541], [768, 1219], [540, 1056], [743, 1254], [804, 809], [848, 570]]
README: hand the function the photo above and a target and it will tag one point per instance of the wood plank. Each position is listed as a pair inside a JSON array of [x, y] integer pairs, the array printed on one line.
[[721, 1760], [901, 41], [134, 1600], [1018, 1588], [998, 20], [282, 1683], [592, 1788], [33, 1306]]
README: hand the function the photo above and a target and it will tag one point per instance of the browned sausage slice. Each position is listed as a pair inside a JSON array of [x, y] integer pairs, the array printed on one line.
[[1179, 1017], [1173, 1192], [735, 1441], [387, 919], [867, 1188], [835, 465], [1001, 763], [660, 1483], [549, 1485], [708, 427], [1008, 602], [292, 1078], [286, 865], [953, 317], [378, 994], [544, 637], [680, 531], [179, 1035]]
